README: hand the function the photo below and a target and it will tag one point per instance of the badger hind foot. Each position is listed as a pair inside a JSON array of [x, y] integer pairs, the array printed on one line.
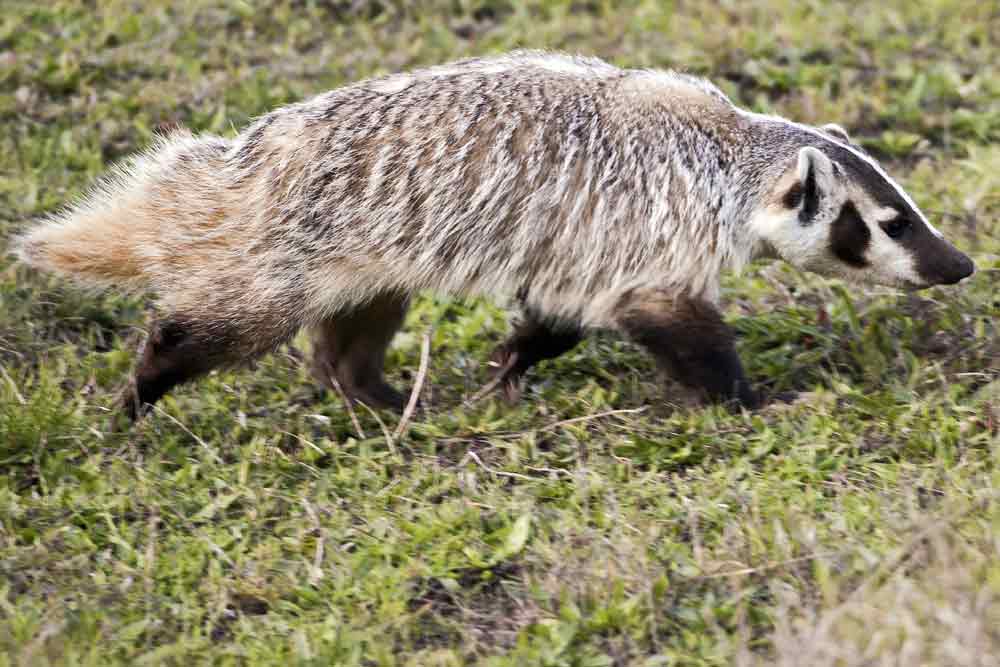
[[381, 395], [349, 351], [373, 391]]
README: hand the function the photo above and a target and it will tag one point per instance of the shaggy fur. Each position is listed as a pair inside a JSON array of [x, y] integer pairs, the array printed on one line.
[[563, 182]]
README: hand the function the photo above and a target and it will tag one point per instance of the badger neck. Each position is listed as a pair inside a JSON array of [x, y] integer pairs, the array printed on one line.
[[707, 181]]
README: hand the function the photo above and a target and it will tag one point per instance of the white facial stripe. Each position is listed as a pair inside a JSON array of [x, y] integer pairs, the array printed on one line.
[[884, 214], [890, 263], [856, 153]]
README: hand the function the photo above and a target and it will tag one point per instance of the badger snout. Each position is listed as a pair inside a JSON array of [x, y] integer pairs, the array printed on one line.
[[947, 265], [960, 268]]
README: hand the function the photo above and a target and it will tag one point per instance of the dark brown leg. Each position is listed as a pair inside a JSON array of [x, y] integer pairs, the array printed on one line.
[[350, 348], [688, 339], [534, 339], [180, 349]]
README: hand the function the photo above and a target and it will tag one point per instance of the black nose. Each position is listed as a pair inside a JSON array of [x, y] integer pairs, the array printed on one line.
[[961, 268]]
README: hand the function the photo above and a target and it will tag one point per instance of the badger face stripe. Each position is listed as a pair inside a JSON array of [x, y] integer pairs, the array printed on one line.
[[849, 237], [894, 185]]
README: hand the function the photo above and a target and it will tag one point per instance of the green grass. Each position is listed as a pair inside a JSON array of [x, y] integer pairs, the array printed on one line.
[[606, 520]]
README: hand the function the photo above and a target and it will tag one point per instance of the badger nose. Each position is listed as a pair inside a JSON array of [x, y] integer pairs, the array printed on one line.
[[961, 268]]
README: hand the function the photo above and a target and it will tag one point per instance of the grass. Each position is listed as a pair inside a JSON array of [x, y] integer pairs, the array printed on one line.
[[606, 520]]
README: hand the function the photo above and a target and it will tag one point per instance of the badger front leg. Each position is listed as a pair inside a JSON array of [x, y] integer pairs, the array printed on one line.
[[689, 340], [535, 339]]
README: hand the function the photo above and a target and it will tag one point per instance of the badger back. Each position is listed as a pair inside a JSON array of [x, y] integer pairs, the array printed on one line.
[[531, 174]]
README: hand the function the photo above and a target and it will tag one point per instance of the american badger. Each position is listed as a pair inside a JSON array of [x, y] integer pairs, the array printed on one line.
[[592, 196]]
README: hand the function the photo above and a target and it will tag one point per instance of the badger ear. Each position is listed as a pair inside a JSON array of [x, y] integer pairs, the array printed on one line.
[[815, 181], [837, 132]]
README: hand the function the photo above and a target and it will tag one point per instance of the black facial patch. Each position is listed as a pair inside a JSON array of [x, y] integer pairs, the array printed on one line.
[[849, 237], [868, 177]]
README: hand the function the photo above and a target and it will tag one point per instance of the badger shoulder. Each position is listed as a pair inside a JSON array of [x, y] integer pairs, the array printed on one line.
[[675, 93], [506, 70], [527, 61]]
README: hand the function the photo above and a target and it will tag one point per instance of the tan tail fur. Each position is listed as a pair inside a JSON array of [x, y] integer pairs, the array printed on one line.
[[116, 235]]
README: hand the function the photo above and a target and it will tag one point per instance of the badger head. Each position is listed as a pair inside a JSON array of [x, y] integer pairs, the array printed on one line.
[[834, 211]]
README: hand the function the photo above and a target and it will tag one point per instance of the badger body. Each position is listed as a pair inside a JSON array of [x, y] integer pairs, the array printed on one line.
[[595, 197]]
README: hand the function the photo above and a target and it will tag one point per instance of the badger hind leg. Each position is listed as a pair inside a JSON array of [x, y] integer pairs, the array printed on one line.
[[181, 347], [535, 339], [689, 339], [349, 350]]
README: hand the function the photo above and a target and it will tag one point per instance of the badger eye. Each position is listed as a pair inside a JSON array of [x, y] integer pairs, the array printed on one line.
[[896, 227]]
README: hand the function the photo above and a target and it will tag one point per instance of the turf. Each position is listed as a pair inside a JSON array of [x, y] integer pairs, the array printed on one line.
[[605, 520]]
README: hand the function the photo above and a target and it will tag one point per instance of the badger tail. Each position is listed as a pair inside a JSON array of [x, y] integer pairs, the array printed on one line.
[[140, 220]]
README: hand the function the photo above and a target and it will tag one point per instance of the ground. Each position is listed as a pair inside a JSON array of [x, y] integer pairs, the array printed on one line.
[[605, 520]]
